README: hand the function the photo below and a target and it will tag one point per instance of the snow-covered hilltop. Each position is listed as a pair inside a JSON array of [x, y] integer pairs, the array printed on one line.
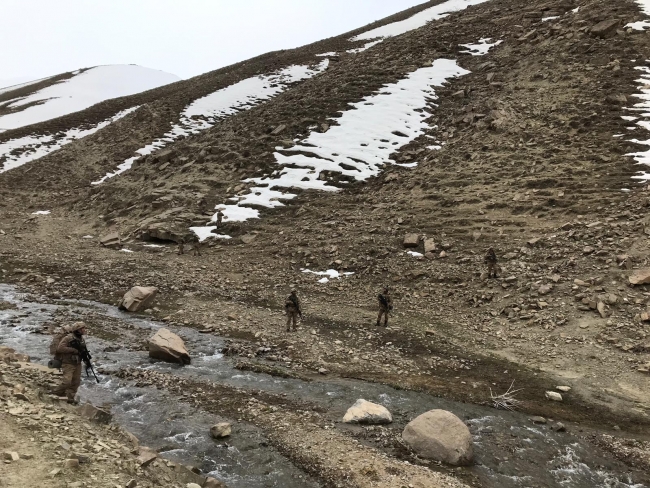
[[83, 89]]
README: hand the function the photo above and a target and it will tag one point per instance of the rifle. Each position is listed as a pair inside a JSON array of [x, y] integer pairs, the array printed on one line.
[[85, 357]]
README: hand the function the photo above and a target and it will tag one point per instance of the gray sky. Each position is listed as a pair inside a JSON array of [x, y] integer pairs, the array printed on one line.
[[41, 38]]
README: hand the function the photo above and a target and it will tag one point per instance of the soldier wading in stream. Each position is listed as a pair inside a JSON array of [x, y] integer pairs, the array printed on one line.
[[68, 351], [292, 307], [385, 306]]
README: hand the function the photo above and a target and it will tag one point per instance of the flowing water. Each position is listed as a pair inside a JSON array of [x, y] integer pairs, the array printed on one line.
[[510, 451]]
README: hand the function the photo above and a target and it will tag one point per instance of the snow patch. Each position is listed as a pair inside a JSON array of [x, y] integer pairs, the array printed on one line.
[[480, 49], [83, 90], [207, 111], [642, 110], [418, 20], [357, 146], [126, 250], [546, 19], [88, 237], [366, 46], [641, 24], [16, 152], [206, 232], [415, 254], [42, 212], [331, 53], [329, 274]]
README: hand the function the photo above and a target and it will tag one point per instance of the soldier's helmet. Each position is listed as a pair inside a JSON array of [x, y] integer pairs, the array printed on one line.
[[385, 289], [77, 326], [294, 291]]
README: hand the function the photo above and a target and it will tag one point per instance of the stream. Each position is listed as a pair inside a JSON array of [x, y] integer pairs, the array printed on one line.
[[510, 451]]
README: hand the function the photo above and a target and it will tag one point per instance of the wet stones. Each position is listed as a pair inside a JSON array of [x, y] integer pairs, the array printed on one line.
[[365, 412], [440, 435], [167, 346], [221, 430], [138, 298]]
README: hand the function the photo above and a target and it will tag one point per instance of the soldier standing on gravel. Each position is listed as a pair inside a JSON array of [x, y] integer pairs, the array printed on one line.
[[219, 218], [181, 246], [196, 245], [69, 353], [385, 306], [292, 307], [491, 261]]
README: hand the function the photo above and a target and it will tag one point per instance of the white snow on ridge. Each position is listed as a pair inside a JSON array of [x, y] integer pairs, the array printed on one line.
[[330, 274], [205, 112], [358, 147], [480, 49], [82, 91], [418, 20], [16, 152], [21, 85], [366, 46]]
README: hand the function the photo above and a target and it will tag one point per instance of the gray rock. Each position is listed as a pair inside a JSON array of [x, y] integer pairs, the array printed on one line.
[[640, 277], [411, 240], [364, 412], [138, 298], [221, 430], [440, 435], [606, 28], [167, 346], [111, 240]]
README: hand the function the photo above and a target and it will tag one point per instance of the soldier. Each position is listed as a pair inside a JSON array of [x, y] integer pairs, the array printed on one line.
[[491, 261], [385, 306], [196, 245], [219, 218], [68, 352], [181, 246], [292, 307]]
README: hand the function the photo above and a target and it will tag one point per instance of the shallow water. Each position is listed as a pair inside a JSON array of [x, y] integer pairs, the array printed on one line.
[[510, 451]]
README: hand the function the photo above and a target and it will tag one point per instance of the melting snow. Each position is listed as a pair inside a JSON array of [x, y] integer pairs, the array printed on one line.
[[16, 152], [87, 237], [358, 147], [418, 20], [21, 85], [205, 232], [332, 53], [330, 274], [205, 112], [643, 120], [82, 91], [126, 250], [546, 19], [480, 49], [367, 45], [41, 212], [642, 24], [415, 254]]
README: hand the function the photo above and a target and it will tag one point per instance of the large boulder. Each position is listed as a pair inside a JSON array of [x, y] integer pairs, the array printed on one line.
[[138, 298], [440, 435], [167, 346], [162, 231], [364, 412], [95, 414], [640, 277], [221, 430], [111, 240], [606, 28]]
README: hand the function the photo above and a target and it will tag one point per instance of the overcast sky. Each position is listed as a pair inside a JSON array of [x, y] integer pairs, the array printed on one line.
[[40, 38]]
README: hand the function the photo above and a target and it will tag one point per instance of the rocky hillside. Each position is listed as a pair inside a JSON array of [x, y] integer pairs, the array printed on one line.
[[361, 162]]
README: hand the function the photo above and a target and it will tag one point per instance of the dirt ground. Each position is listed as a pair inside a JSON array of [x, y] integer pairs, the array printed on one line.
[[529, 166]]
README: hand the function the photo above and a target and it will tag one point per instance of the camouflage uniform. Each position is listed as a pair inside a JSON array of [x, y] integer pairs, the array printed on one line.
[[181, 247], [71, 360], [196, 245], [292, 307], [491, 261], [219, 218], [385, 306]]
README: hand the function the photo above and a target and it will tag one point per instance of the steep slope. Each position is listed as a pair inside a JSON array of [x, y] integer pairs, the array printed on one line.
[[498, 126], [84, 88]]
